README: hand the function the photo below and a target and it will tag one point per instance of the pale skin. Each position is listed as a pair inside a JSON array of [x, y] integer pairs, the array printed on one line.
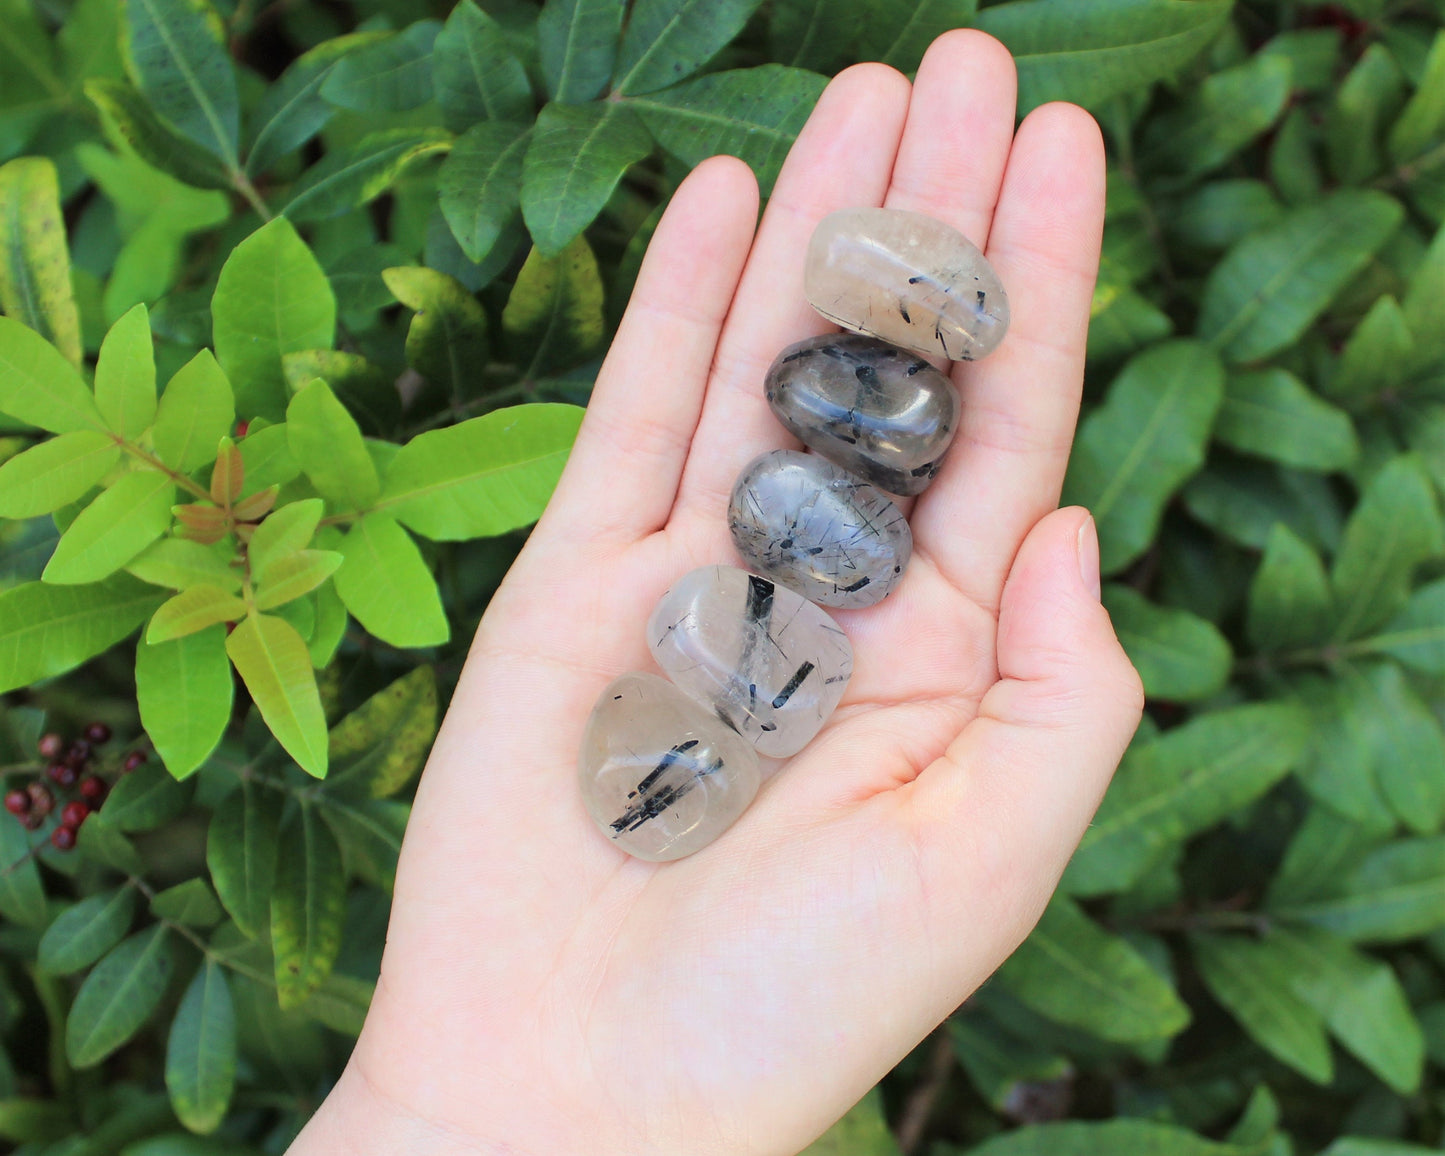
[[542, 993]]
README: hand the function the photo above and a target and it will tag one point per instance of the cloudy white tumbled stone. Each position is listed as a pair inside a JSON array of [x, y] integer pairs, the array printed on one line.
[[759, 656], [662, 776], [814, 527], [907, 278]]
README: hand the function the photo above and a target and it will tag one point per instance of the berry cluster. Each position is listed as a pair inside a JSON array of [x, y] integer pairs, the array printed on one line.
[[68, 767]]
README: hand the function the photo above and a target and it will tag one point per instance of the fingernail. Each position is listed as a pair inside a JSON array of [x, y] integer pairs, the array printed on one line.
[[1088, 550]]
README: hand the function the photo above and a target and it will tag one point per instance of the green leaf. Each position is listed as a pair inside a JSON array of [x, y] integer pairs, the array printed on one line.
[[1339, 769], [1258, 992], [1396, 893], [1313, 53], [1355, 1146], [387, 585], [201, 1051], [1243, 500], [46, 630], [862, 1131], [1219, 213], [174, 55], [143, 799], [1365, 103], [367, 390], [1326, 846], [1416, 636], [1420, 124], [331, 621], [41, 387], [307, 909], [1219, 118], [194, 609], [1377, 355], [1107, 1138], [479, 182], [1360, 998], [272, 298], [328, 443], [266, 455], [668, 40], [296, 574], [553, 317], [97, 843], [272, 660], [1147, 438], [447, 341], [1072, 971], [902, 30], [370, 833], [55, 473], [577, 40], [576, 157], [391, 75], [752, 113], [35, 285], [816, 34], [184, 690], [195, 412], [483, 477], [22, 898], [118, 997], [241, 854], [348, 178], [380, 746], [1395, 527], [475, 73], [1186, 780], [1128, 323], [125, 375], [191, 904], [1000, 1065], [113, 529], [85, 932], [1405, 745], [1180, 656], [291, 110], [1272, 285], [1290, 603], [128, 123], [180, 564], [341, 1003], [1272, 414], [1089, 51], [284, 532]]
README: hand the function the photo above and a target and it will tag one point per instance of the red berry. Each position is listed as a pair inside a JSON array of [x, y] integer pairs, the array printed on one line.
[[97, 733], [63, 774], [133, 760], [50, 746], [78, 754], [242, 428], [92, 790], [41, 800], [32, 821], [17, 802], [73, 813], [63, 838]]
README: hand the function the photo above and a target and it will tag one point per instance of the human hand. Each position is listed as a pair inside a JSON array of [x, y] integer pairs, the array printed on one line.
[[542, 992]]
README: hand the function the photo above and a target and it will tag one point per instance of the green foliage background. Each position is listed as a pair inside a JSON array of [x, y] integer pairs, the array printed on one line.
[[300, 300]]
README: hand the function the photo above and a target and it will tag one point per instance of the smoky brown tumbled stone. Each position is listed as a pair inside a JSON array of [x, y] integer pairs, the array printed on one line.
[[878, 411], [908, 279]]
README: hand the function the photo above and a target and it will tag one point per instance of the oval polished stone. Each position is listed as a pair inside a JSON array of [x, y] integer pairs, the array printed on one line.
[[815, 528], [907, 278], [765, 660], [661, 775], [878, 411]]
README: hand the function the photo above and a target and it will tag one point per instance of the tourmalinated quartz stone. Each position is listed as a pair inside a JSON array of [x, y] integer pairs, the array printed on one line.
[[662, 776], [768, 662], [814, 527], [907, 278], [879, 411]]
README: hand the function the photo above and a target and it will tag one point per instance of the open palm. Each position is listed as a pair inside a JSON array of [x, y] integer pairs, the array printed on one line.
[[542, 992]]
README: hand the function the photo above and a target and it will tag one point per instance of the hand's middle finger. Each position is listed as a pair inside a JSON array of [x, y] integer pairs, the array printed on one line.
[[842, 159]]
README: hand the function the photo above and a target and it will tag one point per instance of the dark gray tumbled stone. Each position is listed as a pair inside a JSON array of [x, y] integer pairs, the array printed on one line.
[[879, 411], [815, 528]]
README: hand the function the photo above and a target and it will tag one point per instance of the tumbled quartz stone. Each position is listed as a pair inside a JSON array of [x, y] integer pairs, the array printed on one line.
[[765, 660], [878, 411], [662, 776], [817, 529], [907, 278]]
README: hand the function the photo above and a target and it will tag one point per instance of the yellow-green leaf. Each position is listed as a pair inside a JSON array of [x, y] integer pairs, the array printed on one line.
[[35, 285], [192, 610], [40, 386], [55, 473], [286, 531], [308, 905], [388, 586], [180, 564], [125, 375], [275, 665], [184, 690], [296, 574], [327, 442], [113, 529], [195, 412]]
